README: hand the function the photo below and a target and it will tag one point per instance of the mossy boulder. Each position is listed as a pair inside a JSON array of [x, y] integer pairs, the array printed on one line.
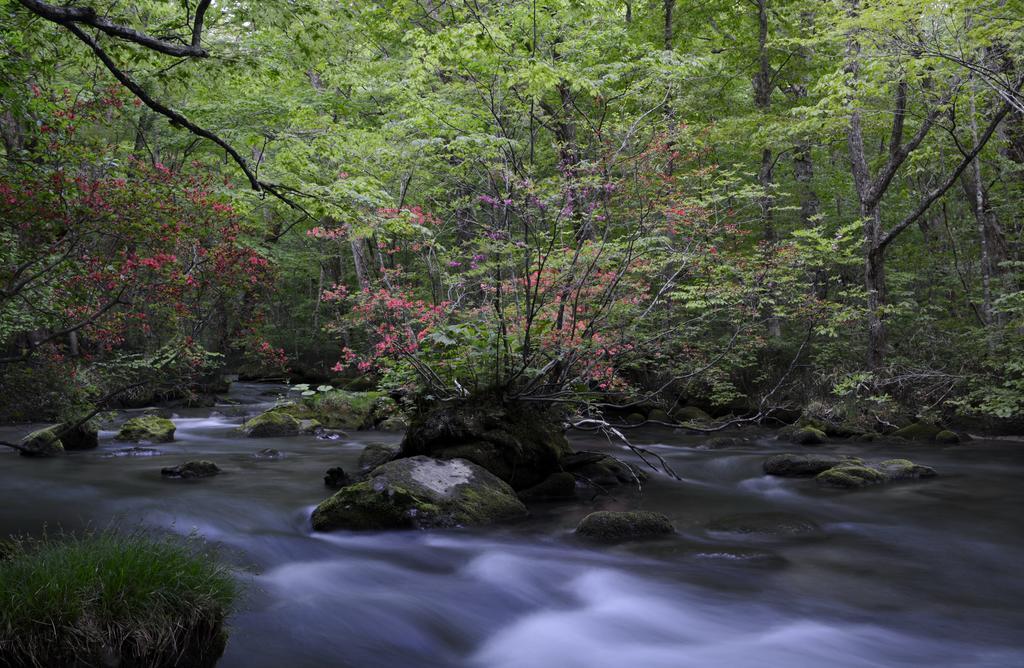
[[374, 455], [152, 428], [270, 424], [853, 476], [556, 487], [189, 470], [948, 437], [518, 442], [616, 527], [799, 465], [600, 470], [904, 469], [765, 524], [722, 442], [42, 443], [420, 492], [341, 409], [635, 418], [659, 415], [918, 431], [691, 414], [850, 476], [808, 436]]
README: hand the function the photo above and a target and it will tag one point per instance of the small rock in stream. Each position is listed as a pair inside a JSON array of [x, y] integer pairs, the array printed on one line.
[[616, 527], [190, 470]]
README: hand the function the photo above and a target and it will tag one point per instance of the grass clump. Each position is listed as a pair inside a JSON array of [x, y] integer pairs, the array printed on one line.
[[105, 598]]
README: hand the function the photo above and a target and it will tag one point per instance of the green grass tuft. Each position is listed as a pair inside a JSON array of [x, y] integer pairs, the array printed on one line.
[[85, 599]]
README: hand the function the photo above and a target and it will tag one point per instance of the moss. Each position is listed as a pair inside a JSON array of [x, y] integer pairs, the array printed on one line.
[[919, 431], [341, 409], [947, 436], [808, 436], [151, 428], [271, 423], [615, 527], [110, 599], [635, 418], [42, 443], [850, 477], [659, 415]]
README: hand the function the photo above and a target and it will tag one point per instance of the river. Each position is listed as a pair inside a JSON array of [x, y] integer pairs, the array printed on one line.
[[924, 573]]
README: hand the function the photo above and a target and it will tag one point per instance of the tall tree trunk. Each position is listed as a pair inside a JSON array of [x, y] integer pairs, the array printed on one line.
[[763, 85]]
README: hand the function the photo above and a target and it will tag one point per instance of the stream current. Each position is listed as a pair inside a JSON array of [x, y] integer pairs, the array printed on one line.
[[924, 573]]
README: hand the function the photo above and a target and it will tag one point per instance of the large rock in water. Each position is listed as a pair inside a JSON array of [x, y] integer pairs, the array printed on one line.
[[152, 428], [190, 470], [42, 443], [420, 492], [857, 476], [521, 444]]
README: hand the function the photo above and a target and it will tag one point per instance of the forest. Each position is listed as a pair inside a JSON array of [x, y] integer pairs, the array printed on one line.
[[620, 305]]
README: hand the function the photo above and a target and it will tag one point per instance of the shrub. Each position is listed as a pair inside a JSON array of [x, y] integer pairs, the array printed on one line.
[[109, 598]]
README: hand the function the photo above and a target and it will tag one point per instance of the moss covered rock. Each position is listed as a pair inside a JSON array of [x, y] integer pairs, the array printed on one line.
[[919, 431], [520, 443], [808, 436], [42, 443], [273, 423], [152, 428], [420, 492], [857, 475], [799, 465], [947, 436], [616, 527], [635, 418], [904, 469], [659, 415], [341, 409], [691, 414], [189, 470], [850, 476]]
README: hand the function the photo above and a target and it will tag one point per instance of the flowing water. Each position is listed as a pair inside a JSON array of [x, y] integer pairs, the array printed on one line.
[[923, 573]]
